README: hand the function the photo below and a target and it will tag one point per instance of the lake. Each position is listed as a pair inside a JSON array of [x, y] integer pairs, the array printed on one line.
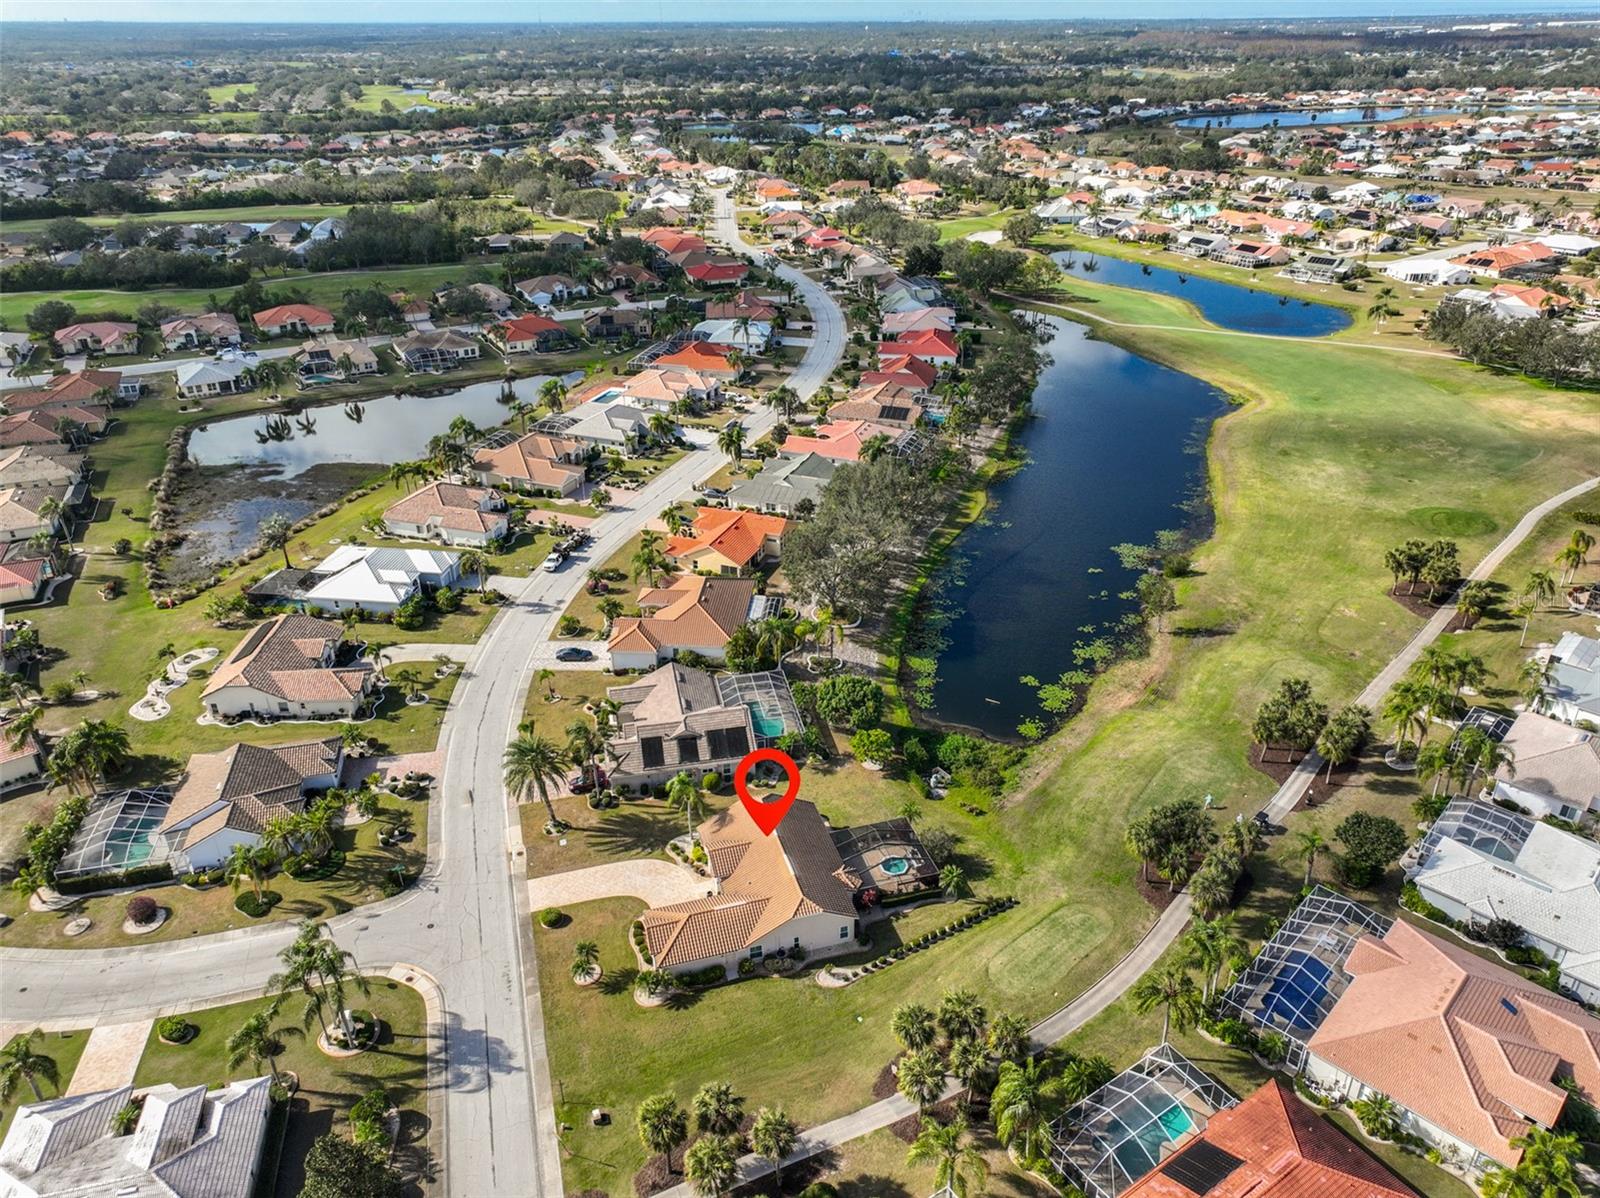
[[1112, 457], [1292, 118], [1226, 305], [240, 481]]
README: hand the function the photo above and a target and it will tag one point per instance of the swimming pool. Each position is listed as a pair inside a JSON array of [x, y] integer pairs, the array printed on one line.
[[1295, 997], [765, 723], [895, 866], [1140, 1148]]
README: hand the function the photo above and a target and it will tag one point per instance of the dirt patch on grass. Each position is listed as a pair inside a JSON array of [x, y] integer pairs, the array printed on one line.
[[656, 1175], [886, 1084], [1155, 892], [907, 1129], [1418, 604], [1279, 765]]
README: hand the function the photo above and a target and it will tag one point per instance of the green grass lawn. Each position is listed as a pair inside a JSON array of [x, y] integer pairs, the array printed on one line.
[[328, 1087], [64, 1048], [178, 216], [199, 912], [586, 607], [221, 93], [958, 227]]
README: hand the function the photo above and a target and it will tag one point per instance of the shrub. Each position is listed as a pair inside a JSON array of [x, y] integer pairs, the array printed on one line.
[[368, 1122], [254, 907], [849, 701], [142, 910], [446, 599], [819, 1189], [746, 967], [872, 745], [710, 781], [126, 1118], [176, 1028], [1411, 899], [550, 917], [569, 625], [1272, 1046], [1371, 844], [411, 614]]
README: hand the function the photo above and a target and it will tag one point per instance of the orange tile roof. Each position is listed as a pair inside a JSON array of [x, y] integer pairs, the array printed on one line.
[[1466, 1044], [764, 882], [1284, 1150], [841, 439], [690, 612], [704, 356], [737, 536]]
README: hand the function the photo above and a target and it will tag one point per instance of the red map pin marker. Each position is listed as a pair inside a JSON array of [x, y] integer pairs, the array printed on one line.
[[767, 813]]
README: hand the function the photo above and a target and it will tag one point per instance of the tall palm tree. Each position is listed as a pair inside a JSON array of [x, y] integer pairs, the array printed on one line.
[[1308, 846], [531, 764], [684, 794], [584, 746], [773, 1136], [717, 1109], [962, 1015], [20, 728], [913, 1025], [712, 1164], [553, 394], [921, 1077], [248, 863], [662, 1125], [1209, 945], [1008, 1036], [957, 1164], [475, 562], [19, 1063], [335, 971], [1569, 559], [731, 440], [1082, 1076], [1022, 1105], [257, 1041], [1406, 707], [279, 835], [649, 560], [1539, 587], [1173, 990]]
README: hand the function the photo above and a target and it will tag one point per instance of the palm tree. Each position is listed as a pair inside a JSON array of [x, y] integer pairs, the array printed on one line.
[[1209, 945], [279, 835], [952, 880], [609, 608], [913, 1025], [52, 510], [712, 1164], [248, 862], [662, 1124], [553, 394], [584, 745], [585, 960], [476, 563], [1483, 754], [684, 794], [773, 1136], [19, 1063], [1173, 990], [1569, 559], [1381, 308], [649, 560], [531, 765], [717, 1109], [1539, 588], [1308, 846], [1210, 890], [334, 969], [961, 1015], [1008, 1036], [258, 1042], [318, 822], [731, 441], [969, 1061], [1022, 1105], [957, 1164], [1406, 707], [1082, 1076], [921, 1077], [662, 427], [19, 729], [1548, 1168]]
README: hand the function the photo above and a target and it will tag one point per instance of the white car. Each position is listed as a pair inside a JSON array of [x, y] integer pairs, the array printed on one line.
[[553, 562]]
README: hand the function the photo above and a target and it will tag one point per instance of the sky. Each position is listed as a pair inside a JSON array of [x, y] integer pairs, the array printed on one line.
[[685, 11]]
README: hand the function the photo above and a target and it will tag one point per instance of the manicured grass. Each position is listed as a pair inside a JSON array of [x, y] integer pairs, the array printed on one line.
[[248, 213], [328, 1087], [638, 828], [586, 607], [62, 1047], [221, 93], [961, 226], [199, 912]]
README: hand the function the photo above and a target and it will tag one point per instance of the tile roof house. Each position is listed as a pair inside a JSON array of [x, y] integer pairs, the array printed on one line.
[[226, 798], [880, 403], [1271, 1145], [191, 332], [529, 334], [188, 1143], [19, 763], [702, 357], [838, 439], [691, 613], [728, 542], [288, 666], [533, 462], [286, 319], [674, 718], [438, 349], [1468, 1048], [1521, 260], [98, 336], [451, 513], [663, 390], [360, 578], [773, 894], [1555, 768], [785, 482]]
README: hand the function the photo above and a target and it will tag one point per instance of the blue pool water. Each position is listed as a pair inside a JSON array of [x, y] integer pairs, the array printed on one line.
[[1295, 994], [1141, 1151], [895, 866], [1226, 305]]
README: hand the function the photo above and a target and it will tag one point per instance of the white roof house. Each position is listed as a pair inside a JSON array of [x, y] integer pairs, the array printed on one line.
[[607, 425], [1572, 693], [1555, 768], [364, 577], [188, 1144], [207, 377], [752, 338], [1428, 272], [1481, 862]]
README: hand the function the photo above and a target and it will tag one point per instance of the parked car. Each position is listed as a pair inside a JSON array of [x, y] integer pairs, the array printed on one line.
[[714, 493], [581, 784], [573, 653], [554, 561]]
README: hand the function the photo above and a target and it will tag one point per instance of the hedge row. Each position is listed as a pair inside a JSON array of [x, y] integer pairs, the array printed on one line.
[[987, 909]]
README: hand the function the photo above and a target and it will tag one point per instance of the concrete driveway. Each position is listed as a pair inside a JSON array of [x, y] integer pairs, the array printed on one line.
[[658, 883]]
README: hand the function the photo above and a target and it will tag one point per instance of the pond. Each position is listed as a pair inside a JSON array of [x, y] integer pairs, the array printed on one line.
[[1113, 455], [240, 480], [1226, 305], [1293, 118]]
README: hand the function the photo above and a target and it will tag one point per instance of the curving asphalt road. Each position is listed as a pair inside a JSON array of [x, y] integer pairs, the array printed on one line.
[[466, 924]]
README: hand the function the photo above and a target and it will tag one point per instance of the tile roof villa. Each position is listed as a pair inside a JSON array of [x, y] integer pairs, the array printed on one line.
[[725, 541], [691, 612], [287, 666], [451, 513], [772, 892]]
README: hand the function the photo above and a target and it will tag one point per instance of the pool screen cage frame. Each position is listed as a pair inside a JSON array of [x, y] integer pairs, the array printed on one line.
[[1325, 925], [86, 856], [767, 690], [1478, 819], [1083, 1145]]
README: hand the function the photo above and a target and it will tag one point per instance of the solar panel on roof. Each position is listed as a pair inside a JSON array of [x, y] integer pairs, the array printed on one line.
[[1201, 1167]]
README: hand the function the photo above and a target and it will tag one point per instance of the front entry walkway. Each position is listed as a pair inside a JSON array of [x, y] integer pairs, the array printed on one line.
[[658, 883], [111, 1056]]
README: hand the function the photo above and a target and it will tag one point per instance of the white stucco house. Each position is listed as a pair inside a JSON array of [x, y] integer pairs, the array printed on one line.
[[361, 578]]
